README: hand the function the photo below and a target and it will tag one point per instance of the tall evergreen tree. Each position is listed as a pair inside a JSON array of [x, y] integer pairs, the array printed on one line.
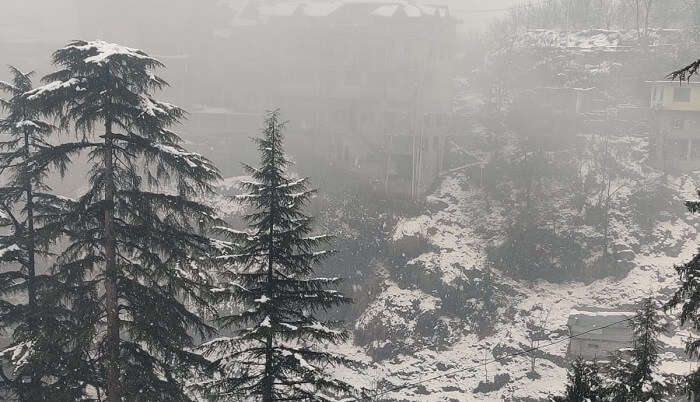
[[633, 376], [648, 326], [688, 297], [279, 351], [43, 353], [585, 383], [132, 233]]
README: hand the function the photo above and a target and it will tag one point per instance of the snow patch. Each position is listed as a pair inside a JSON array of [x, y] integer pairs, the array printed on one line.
[[106, 51]]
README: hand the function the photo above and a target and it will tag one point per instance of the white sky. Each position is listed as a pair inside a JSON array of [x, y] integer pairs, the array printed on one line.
[[40, 19]]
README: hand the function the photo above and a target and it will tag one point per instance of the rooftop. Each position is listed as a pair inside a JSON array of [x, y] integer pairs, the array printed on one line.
[[255, 11], [599, 319]]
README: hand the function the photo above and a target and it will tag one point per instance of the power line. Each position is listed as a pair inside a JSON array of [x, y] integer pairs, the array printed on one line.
[[496, 360]]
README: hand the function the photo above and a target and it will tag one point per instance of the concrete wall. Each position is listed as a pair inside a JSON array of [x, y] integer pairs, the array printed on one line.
[[373, 95], [676, 141]]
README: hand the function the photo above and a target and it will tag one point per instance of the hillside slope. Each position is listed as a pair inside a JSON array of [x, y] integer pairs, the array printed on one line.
[[407, 335]]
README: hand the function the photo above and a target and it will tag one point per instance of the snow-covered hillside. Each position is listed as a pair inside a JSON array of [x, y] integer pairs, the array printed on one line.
[[446, 360]]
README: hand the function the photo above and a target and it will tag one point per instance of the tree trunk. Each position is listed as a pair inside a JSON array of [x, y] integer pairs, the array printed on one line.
[[31, 246], [606, 216], [268, 380], [111, 274]]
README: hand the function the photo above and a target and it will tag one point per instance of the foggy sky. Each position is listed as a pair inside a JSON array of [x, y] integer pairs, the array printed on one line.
[[32, 20]]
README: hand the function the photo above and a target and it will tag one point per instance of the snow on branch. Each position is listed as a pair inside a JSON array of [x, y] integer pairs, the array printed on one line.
[[685, 73], [19, 354], [320, 328], [245, 197], [289, 326], [229, 231], [8, 86], [8, 249], [155, 108], [51, 87], [105, 51], [27, 123], [262, 299], [292, 183], [216, 341], [192, 159]]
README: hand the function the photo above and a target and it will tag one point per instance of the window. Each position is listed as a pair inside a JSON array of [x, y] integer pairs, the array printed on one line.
[[678, 124], [694, 149], [681, 94]]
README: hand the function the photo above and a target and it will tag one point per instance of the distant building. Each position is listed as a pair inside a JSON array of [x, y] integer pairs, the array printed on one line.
[[367, 85], [675, 108], [598, 334], [571, 101]]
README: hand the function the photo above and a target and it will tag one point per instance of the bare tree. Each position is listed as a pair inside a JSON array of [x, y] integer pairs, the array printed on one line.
[[536, 326], [606, 192]]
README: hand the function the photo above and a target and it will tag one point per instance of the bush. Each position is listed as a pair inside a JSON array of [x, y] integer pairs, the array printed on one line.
[[499, 381], [535, 252]]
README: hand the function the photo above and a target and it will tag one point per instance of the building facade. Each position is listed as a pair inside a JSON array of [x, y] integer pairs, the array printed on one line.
[[675, 108], [368, 85], [597, 334]]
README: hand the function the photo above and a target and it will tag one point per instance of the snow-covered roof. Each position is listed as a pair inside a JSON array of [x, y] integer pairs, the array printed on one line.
[[598, 319], [568, 89], [104, 51], [260, 10]]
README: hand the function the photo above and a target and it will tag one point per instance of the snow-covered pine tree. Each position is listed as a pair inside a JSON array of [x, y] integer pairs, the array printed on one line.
[[648, 326], [132, 233], [685, 73], [280, 351], [585, 383], [632, 377], [688, 297], [45, 351]]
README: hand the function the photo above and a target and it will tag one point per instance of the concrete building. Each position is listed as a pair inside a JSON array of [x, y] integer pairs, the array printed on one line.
[[595, 335], [676, 120], [368, 85]]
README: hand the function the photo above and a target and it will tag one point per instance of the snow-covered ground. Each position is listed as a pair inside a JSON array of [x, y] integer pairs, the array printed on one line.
[[454, 370]]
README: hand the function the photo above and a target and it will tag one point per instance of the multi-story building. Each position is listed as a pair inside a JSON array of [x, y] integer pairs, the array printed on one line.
[[368, 85], [676, 115]]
